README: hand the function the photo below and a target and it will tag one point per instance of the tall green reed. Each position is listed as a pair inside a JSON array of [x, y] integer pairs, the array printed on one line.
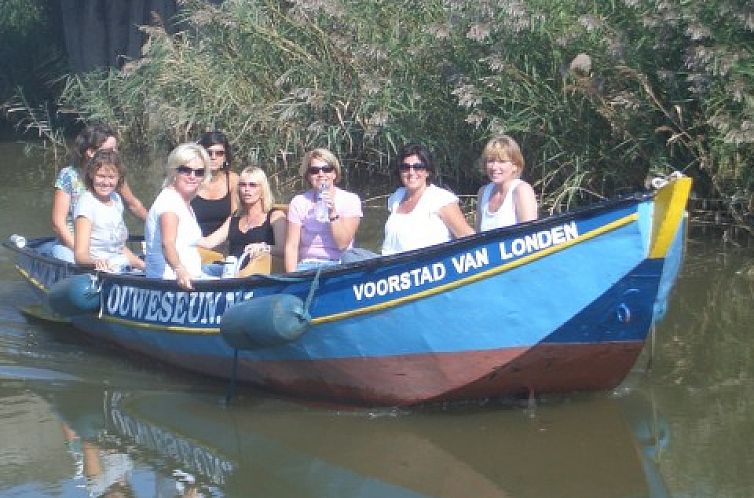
[[599, 94]]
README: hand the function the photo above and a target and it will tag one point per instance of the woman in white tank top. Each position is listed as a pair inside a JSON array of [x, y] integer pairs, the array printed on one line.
[[507, 199]]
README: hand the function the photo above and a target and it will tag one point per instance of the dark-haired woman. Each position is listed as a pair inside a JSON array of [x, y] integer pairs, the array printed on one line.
[[421, 213], [100, 232], [215, 201], [69, 185]]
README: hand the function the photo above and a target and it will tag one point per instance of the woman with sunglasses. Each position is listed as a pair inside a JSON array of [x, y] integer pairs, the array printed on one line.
[[172, 233], [421, 213], [69, 186], [215, 201], [507, 199], [256, 229], [312, 241]]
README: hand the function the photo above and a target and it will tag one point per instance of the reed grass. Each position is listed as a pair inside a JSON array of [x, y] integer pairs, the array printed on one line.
[[599, 94]]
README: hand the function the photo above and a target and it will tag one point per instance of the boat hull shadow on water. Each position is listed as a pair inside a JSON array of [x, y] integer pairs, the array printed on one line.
[[564, 303]]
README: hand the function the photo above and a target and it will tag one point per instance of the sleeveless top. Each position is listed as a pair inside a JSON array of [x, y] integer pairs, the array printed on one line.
[[505, 215], [238, 240], [212, 213]]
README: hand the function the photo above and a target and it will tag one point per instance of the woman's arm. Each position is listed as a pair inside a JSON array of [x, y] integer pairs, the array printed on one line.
[[233, 176], [343, 230], [133, 259], [478, 220], [82, 243], [454, 219], [132, 202], [61, 203], [525, 201], [292, 240], [217, 237], [169, 235], [83, 233]]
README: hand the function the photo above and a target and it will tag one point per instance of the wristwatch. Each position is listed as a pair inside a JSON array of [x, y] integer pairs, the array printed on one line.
[[333, 218]]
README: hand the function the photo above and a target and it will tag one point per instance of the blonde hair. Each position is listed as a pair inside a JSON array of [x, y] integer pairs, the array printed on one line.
[[257, 175], [180, 156], [323, 155], [502, 148]]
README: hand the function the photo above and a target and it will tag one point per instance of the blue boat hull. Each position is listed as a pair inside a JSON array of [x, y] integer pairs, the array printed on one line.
[[561, 304]]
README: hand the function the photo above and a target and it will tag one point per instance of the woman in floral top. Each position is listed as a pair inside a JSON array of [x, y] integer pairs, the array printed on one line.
[[69, 185]]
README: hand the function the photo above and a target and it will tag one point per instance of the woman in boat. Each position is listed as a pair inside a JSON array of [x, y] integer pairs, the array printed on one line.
[[421, 213], [172, 233], [256, 229], [215, 202], [312, 240], [100, 233], [69, 186], [507, 199]]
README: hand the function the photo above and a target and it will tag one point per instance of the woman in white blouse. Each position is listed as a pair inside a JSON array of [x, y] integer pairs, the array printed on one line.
[[172, 234], [421, 213]]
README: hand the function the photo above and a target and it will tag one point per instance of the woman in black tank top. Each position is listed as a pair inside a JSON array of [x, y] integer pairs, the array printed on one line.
[[215, 201], [256, 227]]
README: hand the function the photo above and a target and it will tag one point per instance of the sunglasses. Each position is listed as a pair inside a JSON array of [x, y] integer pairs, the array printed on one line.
[[185, 170], [247, 184], [215, 153], [315, 170], [415, 166]]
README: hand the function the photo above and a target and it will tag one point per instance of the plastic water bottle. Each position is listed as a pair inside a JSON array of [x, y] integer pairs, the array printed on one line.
[[322, 214], [229, 270], [18, 240]]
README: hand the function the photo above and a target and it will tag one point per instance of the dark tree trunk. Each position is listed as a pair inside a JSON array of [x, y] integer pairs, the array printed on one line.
[[102, 33]]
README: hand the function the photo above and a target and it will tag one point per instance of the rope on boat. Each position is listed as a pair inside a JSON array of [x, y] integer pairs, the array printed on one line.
[[309, 298], [233, 376], [312, 290], [659, 181], [97, 288]]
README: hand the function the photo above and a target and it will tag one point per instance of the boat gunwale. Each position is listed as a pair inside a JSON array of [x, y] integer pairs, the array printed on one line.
[[380, 261]]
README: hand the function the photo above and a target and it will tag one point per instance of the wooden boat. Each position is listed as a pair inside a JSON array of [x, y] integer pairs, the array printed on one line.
[[560, 304]]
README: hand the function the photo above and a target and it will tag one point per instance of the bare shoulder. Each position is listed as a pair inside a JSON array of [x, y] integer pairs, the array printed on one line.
[[524, 188], [277, 214]]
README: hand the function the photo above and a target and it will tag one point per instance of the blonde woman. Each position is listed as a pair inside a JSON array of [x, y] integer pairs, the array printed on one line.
[[312, 242], [506, 200], [256, 228], [172, 233]]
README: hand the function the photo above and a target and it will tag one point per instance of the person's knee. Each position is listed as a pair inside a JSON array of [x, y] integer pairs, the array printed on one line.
[[62, 252]]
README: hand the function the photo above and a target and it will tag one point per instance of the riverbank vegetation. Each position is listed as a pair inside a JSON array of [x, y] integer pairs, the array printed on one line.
[[32, 67], [601, 95]]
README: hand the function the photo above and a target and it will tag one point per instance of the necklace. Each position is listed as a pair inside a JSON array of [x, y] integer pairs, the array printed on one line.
[[250, 220]]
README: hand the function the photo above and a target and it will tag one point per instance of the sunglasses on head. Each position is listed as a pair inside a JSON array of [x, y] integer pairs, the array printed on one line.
[[186, 170], [315, 170], [415, 166], [215, 153], [247, 184]]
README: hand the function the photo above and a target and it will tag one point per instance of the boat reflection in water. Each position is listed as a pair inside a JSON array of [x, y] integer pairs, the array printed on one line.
[[598, 447]]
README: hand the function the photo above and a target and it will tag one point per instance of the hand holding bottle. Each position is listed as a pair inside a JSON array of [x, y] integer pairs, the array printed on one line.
[[323, 203]]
